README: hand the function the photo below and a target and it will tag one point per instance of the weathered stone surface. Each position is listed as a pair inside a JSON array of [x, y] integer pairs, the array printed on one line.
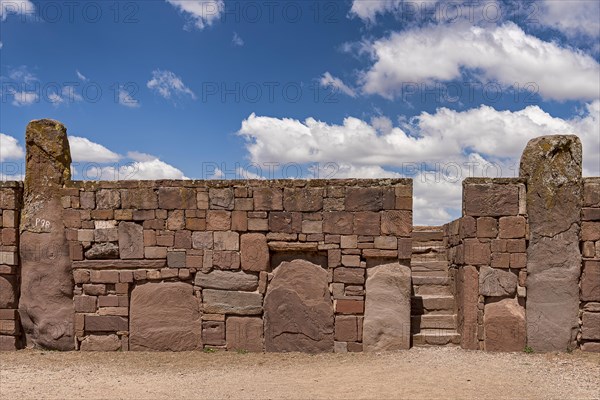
[[363, 199], [268, 199], [590, 281], [244, 333], [467, 297], [298, 309], [386, 323], [213, 333], [552, 167], [8, 291], [46, 303], [176, 198], [396, 222], [254, 252], [103, 251], [227, 280], [131, 240], [230, 302], [490, 199], [164, 317], [497, 282], [504, 326], [338, 222], [101, 343], [221, 199], [590, 326], [303, 199]]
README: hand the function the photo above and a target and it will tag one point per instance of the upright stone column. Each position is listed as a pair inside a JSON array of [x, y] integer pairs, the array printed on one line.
[[552, 166], [46, 303]]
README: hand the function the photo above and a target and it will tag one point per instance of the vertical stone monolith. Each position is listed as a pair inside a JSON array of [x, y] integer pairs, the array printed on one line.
[[552, 167], [46, 303]]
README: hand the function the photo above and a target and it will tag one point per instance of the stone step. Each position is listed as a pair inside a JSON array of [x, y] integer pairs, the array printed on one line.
[[426, 303], [430, 273], [433, 321], [427, 266], [436, 337], [428, 235], [430, 280], [437, 290]]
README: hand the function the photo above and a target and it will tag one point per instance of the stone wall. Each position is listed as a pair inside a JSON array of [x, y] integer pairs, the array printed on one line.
[[11, 194], [589, 337], [221, 242], [487, 247]]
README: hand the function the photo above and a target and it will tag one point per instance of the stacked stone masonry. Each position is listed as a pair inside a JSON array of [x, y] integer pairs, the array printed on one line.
[[221, 241], [589, 334], [10, 205], [297, 265]]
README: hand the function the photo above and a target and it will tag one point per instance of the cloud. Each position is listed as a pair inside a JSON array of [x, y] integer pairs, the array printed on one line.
[[368, 10], [20, 7], [67, 95], [169, 85], [10, 148], [438, 150], [125, 98], [1, 45], [329, 81], [81, 76], [84, 150], [237, 40], [506, 54], [22, 75], [573, 18], [24, 98], [202, 13], [137, 170]]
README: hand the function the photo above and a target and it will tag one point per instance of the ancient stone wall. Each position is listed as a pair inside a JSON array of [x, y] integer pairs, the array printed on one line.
[[589, 337], [487, 247], [223, 241], [11, 196]]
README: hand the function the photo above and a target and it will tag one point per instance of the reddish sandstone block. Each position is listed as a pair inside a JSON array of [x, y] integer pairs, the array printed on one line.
[[155, 252], [490, 199], [176, 259], [516, 246], [105, 276], [244, 333], [590, 214], [85, 304], [590, 326], [512, 227], [467, 227], [105, 323], [81, 276], [140, 199], [349, 275], [221, 198], [94, 289], [363, 199], [195, 224], [254, 252], [344, 306], [396, 222], [202, 200], [176, 220], [518, 260], [476, 253], [280, 222], [218, 220], [487, 227], [268, 199], [303, 199], [226, 259], [213, 333], [590, 281], [170, 198], [500, 260], [346, 328], [8, 343], [183, 240], [338, 222], [367, 223], [590, 231], [87, 200], [258, 224], [239, 220], [108, 199]]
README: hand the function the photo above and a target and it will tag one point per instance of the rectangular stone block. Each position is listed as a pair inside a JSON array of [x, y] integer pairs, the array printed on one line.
[[226, 241], [105, 323], [230, 302], [244, 333], [590, 326], [349, 275], [476, 253], [490, 199], [303, 199], [105, 276], [590, 281], [346, 328], [213, 333], [171, 198], [221, 198], [131, 240], [367, 223], [590, 231], [268, 199], [512, 227], [343, 306], [140, 199], [364, 199], [218, 220]]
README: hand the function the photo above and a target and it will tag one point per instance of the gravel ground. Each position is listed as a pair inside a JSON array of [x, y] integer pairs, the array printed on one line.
[[419, 373]]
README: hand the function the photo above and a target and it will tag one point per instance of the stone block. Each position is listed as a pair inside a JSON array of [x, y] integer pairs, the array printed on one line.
[[590, 281], [140, 199], [231, 302], [176, 259], [9, 295], [338, 222], [226, 240], [504, 326], [227, 280], [476, 253], [268, 199], [108, 199], [367, 223], [171, 198], [590, 231], [303, 199], [491, 200], [254, 252], [131, 240], [349, 275], [221, 198], [487, 227], [100, 343], [213, 333], [512, 227], [396, 222], [346, 328], [218, 220], [244, 333], [496, 282], [202, 240], [105, 323], [363, 199]]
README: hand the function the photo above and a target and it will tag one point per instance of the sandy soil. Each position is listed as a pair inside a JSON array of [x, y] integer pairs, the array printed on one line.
[[420, 373]]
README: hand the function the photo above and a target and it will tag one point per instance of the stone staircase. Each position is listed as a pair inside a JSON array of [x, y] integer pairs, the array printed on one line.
[[433, 315]]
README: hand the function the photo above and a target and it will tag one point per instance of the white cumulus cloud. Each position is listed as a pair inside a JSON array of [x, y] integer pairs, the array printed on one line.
[[83, 149], [438, 150], [202, 13], [126, 99], [17, 7], [573, 17], [10, 148], [169, 85], [329, 81], [506, 54]]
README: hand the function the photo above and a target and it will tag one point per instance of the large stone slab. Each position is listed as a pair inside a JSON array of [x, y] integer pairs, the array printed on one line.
[[497, 282], [131, 240], [227, 280], [386, 324], [46, 302], [298, 309], [552, 167], [164, 317], [504, 326], [231, 302], [467, 297]]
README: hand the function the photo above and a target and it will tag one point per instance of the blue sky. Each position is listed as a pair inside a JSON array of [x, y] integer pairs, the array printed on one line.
[[433, 90]]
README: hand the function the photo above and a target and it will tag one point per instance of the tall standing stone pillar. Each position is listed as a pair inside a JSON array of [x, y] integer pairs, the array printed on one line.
[[46, 303], [552, 166]]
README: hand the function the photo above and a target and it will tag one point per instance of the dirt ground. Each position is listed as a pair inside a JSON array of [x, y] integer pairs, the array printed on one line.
[[419, 373]]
